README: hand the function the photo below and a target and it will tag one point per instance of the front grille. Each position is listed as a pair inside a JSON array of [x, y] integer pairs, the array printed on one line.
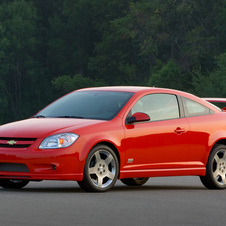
[[12, 142]]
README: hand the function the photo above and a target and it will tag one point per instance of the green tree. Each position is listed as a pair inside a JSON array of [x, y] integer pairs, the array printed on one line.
[[113, 57], [212, 84], [67, 83], [173, 43], [70, 38], [169, 76], [17, 52], [157, 31]]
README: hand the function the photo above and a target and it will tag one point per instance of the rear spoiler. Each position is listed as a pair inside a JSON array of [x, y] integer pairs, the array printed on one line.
[[215, 99]]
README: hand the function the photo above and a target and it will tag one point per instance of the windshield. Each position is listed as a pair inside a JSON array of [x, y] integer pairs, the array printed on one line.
[[103, 105]]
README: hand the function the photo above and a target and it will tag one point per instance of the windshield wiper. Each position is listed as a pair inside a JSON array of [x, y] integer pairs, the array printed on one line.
[[39, 116], [67, 116]]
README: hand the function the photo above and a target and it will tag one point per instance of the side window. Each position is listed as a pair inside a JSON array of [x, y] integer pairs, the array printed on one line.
[[158, 106], [193, 108]]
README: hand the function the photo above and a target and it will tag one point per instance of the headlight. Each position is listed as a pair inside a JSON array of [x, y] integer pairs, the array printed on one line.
[[62, 140]]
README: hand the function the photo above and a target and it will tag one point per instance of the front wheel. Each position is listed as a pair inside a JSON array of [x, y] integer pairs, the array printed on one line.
[[13, 184], [101, 170], [215, 177], [135, 181]]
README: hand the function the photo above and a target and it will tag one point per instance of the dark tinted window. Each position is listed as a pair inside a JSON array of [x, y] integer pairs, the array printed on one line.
[[158, 106], [88, 104]]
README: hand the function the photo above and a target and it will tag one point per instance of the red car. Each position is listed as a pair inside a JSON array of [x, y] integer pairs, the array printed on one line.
[[98, 135]]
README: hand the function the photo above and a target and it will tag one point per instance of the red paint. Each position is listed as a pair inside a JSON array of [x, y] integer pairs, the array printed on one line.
[[157, 148]]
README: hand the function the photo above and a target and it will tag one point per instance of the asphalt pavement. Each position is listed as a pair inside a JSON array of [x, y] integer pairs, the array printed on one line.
[[161, 201]]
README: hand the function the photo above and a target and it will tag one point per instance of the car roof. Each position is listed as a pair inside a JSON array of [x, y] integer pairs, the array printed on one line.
[[144, 89], [133, 89], [140, 89]]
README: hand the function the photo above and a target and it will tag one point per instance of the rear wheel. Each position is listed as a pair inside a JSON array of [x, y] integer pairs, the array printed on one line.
[[135, 181], [215, 177], [101, 170], [14, 184]]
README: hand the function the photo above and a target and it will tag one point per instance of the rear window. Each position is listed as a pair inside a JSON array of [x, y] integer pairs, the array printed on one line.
[[193, 108]]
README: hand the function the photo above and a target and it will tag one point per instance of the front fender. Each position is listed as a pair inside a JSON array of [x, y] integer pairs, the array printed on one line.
[[114, 139]]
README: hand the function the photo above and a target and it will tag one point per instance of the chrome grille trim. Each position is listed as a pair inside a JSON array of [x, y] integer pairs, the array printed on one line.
[[15, 142]]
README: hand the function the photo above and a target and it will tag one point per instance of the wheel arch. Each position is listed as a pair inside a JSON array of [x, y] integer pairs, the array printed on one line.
[[218, 137], [218, 142], [215, 168], [222, 141], [112, 146], [94, 181]]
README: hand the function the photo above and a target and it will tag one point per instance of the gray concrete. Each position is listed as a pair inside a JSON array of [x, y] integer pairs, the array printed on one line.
[[162, 201]]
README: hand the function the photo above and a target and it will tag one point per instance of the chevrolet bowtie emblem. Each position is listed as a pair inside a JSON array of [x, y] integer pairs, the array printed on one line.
[[11, 142]]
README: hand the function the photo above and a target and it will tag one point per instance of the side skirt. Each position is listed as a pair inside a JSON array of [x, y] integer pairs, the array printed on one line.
[[201, 171]]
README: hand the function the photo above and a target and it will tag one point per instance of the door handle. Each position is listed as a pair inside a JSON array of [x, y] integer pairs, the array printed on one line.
[[179, 130]]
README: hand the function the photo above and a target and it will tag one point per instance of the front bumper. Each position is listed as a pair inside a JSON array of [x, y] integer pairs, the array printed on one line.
[[35, 164]]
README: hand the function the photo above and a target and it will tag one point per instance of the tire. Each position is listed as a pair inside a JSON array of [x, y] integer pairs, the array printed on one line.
[[215, 177], [13, 184], [135, 181], [101, 170]]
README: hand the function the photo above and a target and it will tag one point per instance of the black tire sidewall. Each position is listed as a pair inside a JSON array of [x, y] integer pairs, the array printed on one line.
[[7, 183], [86, 177], [209, 166], [134, 181]]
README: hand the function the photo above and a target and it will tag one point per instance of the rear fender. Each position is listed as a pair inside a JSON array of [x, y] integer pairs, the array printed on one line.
[[217, 137]]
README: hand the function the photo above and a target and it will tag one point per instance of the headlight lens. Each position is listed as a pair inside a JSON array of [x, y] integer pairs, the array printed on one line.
[[62, 140]]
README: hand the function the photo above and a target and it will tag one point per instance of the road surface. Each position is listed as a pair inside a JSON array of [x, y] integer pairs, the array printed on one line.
[[161, 201]]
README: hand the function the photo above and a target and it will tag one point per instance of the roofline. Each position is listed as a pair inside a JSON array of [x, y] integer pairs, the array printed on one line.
[[125, 88]]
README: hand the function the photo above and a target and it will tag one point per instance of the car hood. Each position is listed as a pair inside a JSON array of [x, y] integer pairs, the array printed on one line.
[[39, 128]]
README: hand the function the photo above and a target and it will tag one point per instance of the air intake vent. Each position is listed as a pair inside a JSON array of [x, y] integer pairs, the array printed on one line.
[[13, 167]]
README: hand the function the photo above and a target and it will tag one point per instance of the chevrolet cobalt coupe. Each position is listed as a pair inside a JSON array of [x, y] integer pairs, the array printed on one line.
[[97, 135]]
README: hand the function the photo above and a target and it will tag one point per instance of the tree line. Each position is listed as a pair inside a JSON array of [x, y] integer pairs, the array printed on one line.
[[51, 47]]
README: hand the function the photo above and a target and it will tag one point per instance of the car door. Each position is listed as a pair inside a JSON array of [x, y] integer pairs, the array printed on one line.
[[162, 142]]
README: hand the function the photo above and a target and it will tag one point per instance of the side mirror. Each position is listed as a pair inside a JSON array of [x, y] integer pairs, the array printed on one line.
[[224, 109], [137, 117]]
